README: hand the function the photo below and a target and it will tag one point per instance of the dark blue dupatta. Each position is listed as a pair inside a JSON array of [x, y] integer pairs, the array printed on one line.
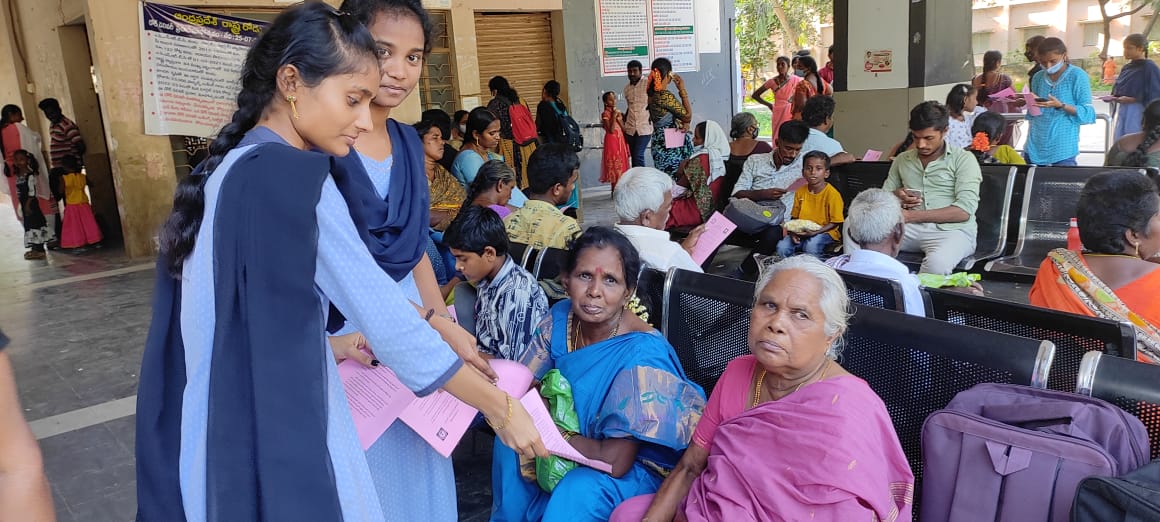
[[394, 228], [1139, 79], [267, 457]]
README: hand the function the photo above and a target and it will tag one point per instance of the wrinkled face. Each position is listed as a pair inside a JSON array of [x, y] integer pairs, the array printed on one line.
[[787, 331], [659, 217], [474, 267], [597, 286], [490, 137], [399, 39], [433, 144], [334, 113], [928, 141], [815, 172]]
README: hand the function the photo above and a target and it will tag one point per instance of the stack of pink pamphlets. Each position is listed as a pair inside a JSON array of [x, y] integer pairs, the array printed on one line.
[[377, 399]]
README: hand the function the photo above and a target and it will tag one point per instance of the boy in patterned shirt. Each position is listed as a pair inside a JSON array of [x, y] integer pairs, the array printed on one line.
[[510, 304]]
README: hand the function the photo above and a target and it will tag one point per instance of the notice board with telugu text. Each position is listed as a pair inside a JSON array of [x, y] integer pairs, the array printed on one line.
[[190, 66]]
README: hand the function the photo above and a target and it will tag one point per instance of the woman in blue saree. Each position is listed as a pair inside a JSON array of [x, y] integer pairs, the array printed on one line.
[[636, 407], [1136, 86]]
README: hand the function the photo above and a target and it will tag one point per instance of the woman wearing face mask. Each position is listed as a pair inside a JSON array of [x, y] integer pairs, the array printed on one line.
[[810, 86], [1136, 87], [1113, 278], [242, 414], [458, 129], [1066, 94], [701, 176]]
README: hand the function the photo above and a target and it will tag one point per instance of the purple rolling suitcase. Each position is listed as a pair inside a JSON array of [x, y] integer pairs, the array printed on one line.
[[1014, 453]]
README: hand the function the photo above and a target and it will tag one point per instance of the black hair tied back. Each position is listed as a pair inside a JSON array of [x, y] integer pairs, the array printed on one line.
[[320, 42]]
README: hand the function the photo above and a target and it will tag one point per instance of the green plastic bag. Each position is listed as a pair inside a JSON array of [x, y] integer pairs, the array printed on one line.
[[558, 391], [957, 279]]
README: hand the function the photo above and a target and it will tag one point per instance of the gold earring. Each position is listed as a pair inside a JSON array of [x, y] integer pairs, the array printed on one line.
[[293, 108], [1137, 245]]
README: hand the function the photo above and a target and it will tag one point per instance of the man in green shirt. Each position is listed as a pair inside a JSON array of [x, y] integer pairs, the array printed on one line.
[[938, 186]]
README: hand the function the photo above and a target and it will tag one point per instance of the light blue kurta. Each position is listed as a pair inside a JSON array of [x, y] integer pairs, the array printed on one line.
[[414, 482], [347, 275]]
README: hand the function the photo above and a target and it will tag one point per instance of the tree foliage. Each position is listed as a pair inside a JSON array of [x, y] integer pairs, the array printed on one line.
[[1121, 9], [767, 26]]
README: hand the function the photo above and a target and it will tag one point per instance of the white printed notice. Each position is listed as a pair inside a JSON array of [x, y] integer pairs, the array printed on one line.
[[623, 29], [190, 65], [673, 35]]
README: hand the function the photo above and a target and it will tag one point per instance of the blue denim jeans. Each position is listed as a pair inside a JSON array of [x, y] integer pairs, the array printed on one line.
[[814, 246], [637, 145]]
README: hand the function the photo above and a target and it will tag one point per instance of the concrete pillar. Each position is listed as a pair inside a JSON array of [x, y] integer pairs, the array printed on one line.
[[930, 42]]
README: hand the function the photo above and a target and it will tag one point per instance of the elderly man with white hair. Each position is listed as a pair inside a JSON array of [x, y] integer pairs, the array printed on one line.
[[875, 224], [643, 198]]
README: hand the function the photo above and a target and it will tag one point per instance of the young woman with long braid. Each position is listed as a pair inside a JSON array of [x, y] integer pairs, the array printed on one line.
[[1141, 149], [241, 413]]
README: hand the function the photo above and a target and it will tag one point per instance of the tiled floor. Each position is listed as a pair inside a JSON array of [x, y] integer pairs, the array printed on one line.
[[78, 324]]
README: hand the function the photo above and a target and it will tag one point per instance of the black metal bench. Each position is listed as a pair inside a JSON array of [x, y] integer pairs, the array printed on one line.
[[706, 319], [650, 288], [1073, 335], [873, 291], [852, 178], [917, 365], [1129, 384], [1050, 195]]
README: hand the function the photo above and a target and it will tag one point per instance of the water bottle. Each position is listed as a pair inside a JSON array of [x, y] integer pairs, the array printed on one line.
[[1073, 242]]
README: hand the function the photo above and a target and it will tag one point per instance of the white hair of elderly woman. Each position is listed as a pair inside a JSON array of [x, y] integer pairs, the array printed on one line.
[[873, 215], [640, 189], [833, 301]]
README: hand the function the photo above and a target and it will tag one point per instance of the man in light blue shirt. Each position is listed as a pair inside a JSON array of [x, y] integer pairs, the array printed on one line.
[[1066, 94], [818, 113]]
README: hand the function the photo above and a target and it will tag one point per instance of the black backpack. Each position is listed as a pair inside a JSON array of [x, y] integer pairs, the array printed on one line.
[[1132, 497], [571, 129]]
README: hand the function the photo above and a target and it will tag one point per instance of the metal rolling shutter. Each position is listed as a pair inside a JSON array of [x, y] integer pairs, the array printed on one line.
[[517, 46]]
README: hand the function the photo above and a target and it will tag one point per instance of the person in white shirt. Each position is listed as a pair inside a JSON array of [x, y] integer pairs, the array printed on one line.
[[771, 176], [875, 223], [642, 199], [638, 128], [818, 113]]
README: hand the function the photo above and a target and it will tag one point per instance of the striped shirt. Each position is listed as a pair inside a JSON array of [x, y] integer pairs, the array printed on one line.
[[66, 139], [508, 310]]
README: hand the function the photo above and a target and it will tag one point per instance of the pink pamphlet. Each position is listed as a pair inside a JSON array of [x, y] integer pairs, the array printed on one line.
[[872, 155], [1005, 93], [376, 398], [717, 228], [799, 183], [516, 379], [1108, 98], [1029, 97], [674, 138]]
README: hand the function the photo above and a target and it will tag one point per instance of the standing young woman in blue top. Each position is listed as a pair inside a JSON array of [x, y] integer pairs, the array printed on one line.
[[1064, 97], [388, 174], [242, 415], [1136, 86]]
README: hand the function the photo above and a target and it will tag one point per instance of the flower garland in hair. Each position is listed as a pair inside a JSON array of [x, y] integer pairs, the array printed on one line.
[[981, 142], [655, 78], [637, 308]]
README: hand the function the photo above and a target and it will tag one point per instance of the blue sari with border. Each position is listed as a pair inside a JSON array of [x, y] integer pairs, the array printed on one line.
[[630, 386]]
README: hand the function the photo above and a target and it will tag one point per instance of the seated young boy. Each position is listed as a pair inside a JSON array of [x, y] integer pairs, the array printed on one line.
[[510, 304], [816, 201], [552, 173]]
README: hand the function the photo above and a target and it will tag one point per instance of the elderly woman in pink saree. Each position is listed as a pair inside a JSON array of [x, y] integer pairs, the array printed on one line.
[[787, 433]]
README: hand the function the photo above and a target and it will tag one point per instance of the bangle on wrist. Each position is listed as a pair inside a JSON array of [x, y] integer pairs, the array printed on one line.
[[569, 434], [506, 419], [449, 318]]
